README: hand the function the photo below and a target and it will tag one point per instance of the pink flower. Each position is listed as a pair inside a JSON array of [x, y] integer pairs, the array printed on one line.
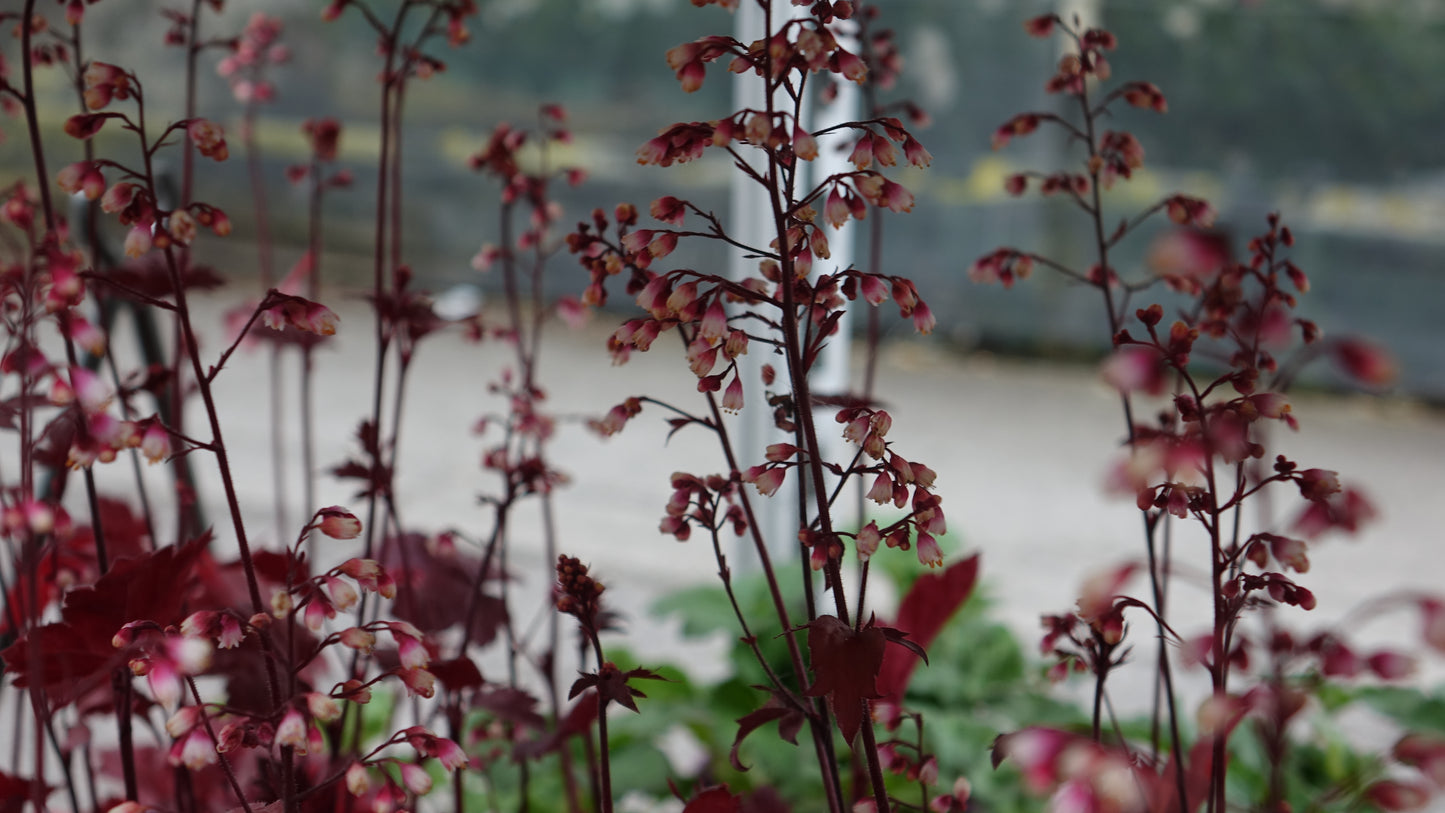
[[767, 480], [662, 245], [836, 210], [1020, 125], [89, 390], [358, 779], [1432, 617], [714, 325], [1132, 369], [363, 641], [882, 490], [928, 551], [137, 241], [1041, 26], [412, 651], [416, 779], [669, 209], [915, 153], [923, 320], [343, 595], [155, 442], [325, 137], [1389, 665], [1097, 595], [82, 177], [867, 541], [862, 155], [104, 82], [1318, 484], [183, 721], [449, 754], [894, 197], [804, 145], [195, 751], [1188, 259], [418, 682], [1145, 95], [1188, 211], [732, 400], [230, 634], [118, 197], [209, 138], [338, 523], [849, 65], [302, 314], [1364, 361], [292, 731], [1393, 795], [701, 357], [181, 226]]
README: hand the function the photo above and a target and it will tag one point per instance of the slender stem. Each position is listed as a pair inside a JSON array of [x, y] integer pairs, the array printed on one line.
[[222, 758], [307, 383], [604, 766], [218, 446], [1101, 246], [193, 52], [276, 407], [121, 688]]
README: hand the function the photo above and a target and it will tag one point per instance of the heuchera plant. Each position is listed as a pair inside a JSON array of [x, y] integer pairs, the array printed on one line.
[[171, 666], [791, 308], [1214, 373]]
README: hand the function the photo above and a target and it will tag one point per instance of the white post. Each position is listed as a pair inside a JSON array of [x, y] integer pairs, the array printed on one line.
[[751, 224]]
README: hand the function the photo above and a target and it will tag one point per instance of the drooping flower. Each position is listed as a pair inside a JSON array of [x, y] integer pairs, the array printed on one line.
[[338, 523]]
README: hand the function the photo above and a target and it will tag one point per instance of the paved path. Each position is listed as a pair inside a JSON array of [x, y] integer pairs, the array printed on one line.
[[1020, 449]]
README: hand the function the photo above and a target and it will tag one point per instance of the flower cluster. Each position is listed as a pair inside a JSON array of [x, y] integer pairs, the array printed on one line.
[[254, 50]]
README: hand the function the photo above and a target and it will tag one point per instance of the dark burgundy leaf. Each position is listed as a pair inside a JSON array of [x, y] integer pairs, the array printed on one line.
[[273, 566], [845, 664], [152, 277], [901, 638], [52, 448], [934, 598], [714, 800], [76, 653], [15, 793], [457, 674], [434, 589], [578, 721], [508, 704], [11, 408], [612, 685], [790, 720], [765, 800]]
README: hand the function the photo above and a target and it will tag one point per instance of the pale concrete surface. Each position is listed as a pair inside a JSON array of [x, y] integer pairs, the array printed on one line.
[[1020, 450]]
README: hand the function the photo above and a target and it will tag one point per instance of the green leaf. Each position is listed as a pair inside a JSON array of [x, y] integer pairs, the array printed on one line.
[[1413, 708]]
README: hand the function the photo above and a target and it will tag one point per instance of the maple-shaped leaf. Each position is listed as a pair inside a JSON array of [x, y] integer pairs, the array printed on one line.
[[612, 685], [74, 556], [72, 655], [932, 600], [716, 799], [845, 664], [150, 276], [577, 721], [10, 408], [509, 704], [15, 792], [790, 720], [457, 674], [435, 588]]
